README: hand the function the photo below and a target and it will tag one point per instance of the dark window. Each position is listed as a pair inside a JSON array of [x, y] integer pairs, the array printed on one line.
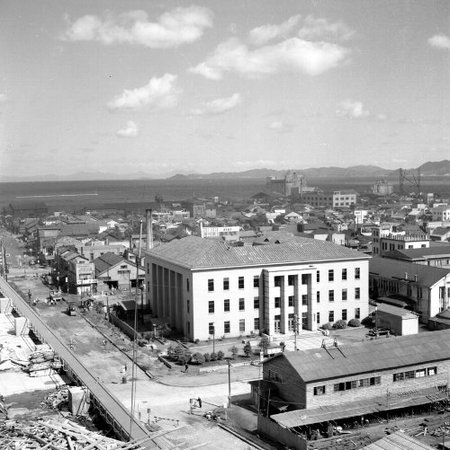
[[357, 293], [211, 306], [344, 274], [226, 327], [344, 294], [318, 317], [242, 325], [256, 323], [319, 390], [211, 328], [357, 313], [210, 285], [344, 314], [357, 273], [304, 279], [241, 282], [291, 280], [226, 284], [187, 284], [277, 302], [256, 281], [291, 300], [331, 296], [318, 277], [241, 304], [304, 299], [256, 303], [188, 303], [226, 305], [277, 281], [330, 316], [331, 275], [318, 296]]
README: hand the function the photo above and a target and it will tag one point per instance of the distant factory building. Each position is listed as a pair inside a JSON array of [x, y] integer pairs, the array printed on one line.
[[292, 184], [382, 187]]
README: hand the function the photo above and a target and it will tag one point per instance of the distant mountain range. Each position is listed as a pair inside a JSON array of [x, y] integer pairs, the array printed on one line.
[[429, 169], [437, 168]]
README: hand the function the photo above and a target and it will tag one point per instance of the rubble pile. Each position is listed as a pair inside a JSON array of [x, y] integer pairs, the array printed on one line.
[[40, 362], [57, 400], [57, 435]]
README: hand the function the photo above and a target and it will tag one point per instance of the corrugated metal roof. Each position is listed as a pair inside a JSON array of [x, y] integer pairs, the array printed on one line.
[[395, 310], [196, 253], [420, 253], [398, 441], [302, 417], [369, 356], [390, 268], [106, 261]]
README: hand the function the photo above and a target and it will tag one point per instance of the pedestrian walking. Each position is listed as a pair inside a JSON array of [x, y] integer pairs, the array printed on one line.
[[186, 367]]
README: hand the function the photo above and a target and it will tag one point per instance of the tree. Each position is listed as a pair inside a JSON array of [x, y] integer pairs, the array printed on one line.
[[198, 358], [220, 355], [248, 349], [234, 351], [264, 344]]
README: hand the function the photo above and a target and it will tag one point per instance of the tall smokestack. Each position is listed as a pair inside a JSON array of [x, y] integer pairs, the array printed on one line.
[[149, 243]]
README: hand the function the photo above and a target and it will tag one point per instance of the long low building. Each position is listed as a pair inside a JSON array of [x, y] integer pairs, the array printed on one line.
[[347, 384], [206, 287]]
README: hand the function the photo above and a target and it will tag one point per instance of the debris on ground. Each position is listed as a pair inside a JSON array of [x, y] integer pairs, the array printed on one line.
[[57, 400], [60, 435]]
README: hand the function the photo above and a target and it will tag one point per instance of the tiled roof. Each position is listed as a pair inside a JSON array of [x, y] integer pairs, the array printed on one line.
[[106, 261], [370, 356], [196, 253], [395, 269], [419, 253]]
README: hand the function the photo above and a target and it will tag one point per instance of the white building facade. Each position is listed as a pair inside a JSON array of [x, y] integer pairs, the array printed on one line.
[[207, 287]]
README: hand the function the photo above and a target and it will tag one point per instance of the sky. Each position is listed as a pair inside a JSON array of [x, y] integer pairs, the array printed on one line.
[[164, 87]]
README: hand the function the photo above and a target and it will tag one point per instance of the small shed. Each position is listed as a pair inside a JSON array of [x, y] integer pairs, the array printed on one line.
[[399, 320]]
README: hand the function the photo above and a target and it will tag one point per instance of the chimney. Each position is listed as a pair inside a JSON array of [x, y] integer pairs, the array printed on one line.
[[149, 243]]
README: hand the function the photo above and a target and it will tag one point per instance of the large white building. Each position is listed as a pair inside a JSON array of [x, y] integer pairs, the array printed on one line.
[[204, 287]]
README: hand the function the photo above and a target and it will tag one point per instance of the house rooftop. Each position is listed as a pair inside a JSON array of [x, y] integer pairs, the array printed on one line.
[[403, 270], [370, 356], [194, 252]]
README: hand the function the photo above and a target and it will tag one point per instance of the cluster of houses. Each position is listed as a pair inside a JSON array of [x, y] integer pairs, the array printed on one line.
[[273, 265]]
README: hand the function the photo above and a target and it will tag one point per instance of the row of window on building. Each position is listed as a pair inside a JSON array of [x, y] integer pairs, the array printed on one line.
[[227, 326], [374, 381], [278, 280], [277, 300]]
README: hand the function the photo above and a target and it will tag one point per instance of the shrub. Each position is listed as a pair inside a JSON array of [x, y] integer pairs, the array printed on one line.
[[198, 358], [234, 351], [327, 326], [248, 349], [142, 342], [183, 359], [220, 355], [340, 324], [148, 336], [367, 321], [207, 357], [213, 356], [354, 323], [196, 341]]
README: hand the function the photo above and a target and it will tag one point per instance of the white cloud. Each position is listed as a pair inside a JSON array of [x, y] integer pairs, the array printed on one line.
[[311, 58], [173, 28], [266, 33], [352, 109], [130, 131], [219, 105], [320, 28], [440, 41], [158, 93], [3, 97]]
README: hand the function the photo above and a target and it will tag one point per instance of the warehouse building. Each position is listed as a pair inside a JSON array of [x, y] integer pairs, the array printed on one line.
[[349, 385]]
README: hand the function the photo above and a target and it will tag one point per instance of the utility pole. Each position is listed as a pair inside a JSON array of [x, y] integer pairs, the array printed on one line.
[[229, 383]]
